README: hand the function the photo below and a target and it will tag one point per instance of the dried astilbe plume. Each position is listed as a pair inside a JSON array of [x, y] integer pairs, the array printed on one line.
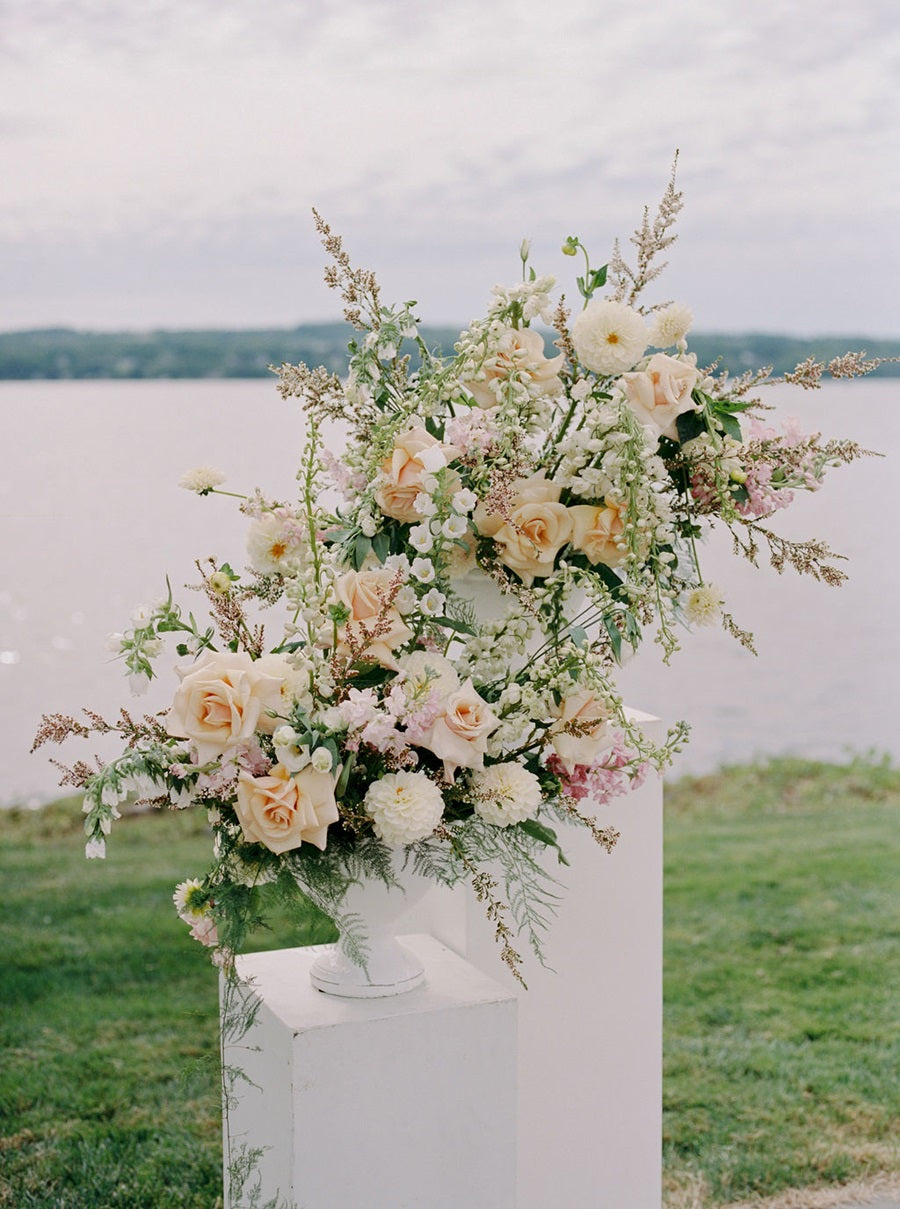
[[808, 373], [650, 238], [357, 287]]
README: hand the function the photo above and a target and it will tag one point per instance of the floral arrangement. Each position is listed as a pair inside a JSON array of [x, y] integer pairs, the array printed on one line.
[[474, 549]]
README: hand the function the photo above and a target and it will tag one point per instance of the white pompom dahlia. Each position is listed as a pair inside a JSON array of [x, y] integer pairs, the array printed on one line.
[[506, 794], [609, 337], [404, 806]]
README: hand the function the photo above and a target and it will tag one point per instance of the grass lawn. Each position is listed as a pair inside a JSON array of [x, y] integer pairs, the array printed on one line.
[[778, 1003], [781, 977]]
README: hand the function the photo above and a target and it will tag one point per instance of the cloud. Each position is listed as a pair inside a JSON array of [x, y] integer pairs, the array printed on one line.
[[421, 129]]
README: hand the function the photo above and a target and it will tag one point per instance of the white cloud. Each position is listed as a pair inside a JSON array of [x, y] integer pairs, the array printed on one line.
[[424, 131]]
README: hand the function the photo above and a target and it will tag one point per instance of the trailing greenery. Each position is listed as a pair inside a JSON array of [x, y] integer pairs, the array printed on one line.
[[781, 938], [70, 353]]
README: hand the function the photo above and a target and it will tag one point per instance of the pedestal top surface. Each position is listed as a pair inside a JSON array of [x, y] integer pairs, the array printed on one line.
[[281, 979]]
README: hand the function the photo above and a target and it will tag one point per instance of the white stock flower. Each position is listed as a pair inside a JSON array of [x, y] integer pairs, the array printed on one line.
[[404, 807], [609, 337], [506, 793], [704, 605], [201, 479], [671, 325]]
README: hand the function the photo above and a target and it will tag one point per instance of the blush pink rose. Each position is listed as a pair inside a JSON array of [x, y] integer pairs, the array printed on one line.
[[373, 624], [589, 737], [459, 735], [662, 392], [224, 699], [284, 811], [415, 454]]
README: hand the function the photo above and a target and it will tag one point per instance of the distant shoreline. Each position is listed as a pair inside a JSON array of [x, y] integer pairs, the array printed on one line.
[[53, 354]]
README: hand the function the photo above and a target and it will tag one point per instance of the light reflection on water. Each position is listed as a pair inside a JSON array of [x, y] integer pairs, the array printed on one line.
[[92, 521]]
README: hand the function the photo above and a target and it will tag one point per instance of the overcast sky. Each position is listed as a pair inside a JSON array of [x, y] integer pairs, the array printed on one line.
[[160, 159]]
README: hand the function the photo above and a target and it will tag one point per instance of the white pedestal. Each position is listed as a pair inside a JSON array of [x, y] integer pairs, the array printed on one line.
[[590, 1028], [400, 1103]]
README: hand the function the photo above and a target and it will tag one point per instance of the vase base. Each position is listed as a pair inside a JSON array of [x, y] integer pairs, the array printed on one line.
[[387, 973]]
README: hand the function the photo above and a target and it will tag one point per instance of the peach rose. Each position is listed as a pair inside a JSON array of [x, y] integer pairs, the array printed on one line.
[[596, 532], [592, 737], [459, 736], [416, 453], [519, 353], [372, 623], [538, 527], [284, 811], [661, 392], [223, 699]]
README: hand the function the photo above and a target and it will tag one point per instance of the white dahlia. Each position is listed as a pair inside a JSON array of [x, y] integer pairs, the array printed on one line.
[[404, 806], [609, 337], [201, 479], [671, 326], [704, 605], [506, 794]]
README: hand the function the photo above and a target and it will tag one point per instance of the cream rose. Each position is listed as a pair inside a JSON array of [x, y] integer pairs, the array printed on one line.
[[519, 353], [283, 811], [416, 453], [661, 392], [223, 699], [459, 735], [597, 531], [373, 625], [589, 736]]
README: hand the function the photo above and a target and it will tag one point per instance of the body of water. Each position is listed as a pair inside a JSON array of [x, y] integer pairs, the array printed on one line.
[[92, 521]]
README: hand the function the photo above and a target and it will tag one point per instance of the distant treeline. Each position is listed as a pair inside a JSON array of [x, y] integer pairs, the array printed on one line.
[[66, 353]]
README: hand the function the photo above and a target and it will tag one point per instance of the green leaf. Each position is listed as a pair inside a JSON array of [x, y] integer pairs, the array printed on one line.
[[730, 425], [381, 544], [544, 835], [689, 425], [451, 623], [361, 550], [578, 634], [598, 279]]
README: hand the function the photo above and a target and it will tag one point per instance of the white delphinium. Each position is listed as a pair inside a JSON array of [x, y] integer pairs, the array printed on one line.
[[422, 569], [432, 603], [506, 793], [609, 337], [201, 479], [420, 538], [670, 326], [464, 500], [404, 806]]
